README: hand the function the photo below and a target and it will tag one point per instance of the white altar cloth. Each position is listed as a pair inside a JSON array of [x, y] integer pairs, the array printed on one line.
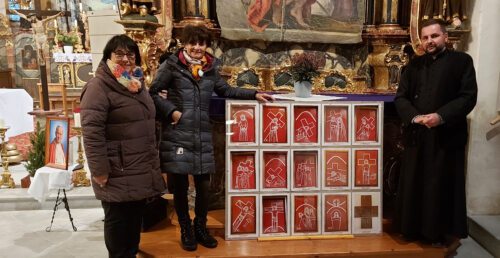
[[14, 107], [47, 178]]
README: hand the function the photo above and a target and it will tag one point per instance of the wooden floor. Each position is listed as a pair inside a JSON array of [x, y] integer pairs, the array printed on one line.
[[164, 241]]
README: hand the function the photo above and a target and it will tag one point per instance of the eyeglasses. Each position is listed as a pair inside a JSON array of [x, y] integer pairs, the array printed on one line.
[[121, 55]]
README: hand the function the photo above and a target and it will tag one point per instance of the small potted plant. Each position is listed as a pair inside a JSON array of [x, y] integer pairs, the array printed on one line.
[[36, 154], [68, 40], [304, 67]]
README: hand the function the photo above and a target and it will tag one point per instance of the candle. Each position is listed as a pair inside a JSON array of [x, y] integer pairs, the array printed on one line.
[[76, 117], [81, 6], [114, 7], [76, 24]]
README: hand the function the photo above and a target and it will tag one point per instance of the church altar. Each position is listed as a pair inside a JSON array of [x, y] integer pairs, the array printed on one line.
[[73, 68], [14, 107]]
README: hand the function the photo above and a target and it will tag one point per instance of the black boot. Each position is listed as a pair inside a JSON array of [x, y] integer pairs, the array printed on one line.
[[187, 237], [202, 235]]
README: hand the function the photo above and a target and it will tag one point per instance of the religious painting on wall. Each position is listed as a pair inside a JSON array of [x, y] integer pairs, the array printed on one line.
[[325, 21], [367, 213], [241, 220], [57, 142], [26, 56], [274, 215], [366, 165], [305, 214], [336, 124], [336, 213], [305, 170], [275, 170], [242, 167], [275, 128], [243, 121], [366, 127], [336, 168], [305, 124]]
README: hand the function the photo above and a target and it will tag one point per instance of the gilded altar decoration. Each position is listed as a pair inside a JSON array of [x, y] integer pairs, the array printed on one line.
[[395, 59], [141, 25], [248, 78], [7, 181], [334, 81]]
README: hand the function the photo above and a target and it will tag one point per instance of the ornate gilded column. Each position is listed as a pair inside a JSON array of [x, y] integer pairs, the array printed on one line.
[[193, 12], [140, 24], [390, 15]]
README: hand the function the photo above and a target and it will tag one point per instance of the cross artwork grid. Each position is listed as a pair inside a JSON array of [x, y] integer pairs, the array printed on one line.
[[306, 124], [275, 169], [243, 214], [275, 124], [243, 127]]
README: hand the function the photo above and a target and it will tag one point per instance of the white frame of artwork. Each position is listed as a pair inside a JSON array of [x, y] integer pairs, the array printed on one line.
[[323, 169], [292, 170], [356, 222], [379, 169], [324, 121], [319, 122], [231, 236], [323, 211], [229, 173], [229, 121], [292, 213], [262, 166], [379, 122], [287, 214], [288, 124]]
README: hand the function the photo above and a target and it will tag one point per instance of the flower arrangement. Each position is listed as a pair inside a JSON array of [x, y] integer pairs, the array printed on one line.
[[67, 39], [305, 65]]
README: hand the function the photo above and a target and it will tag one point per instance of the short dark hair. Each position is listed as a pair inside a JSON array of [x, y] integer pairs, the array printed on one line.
[[430, 22], [196, 34], [121, 41]]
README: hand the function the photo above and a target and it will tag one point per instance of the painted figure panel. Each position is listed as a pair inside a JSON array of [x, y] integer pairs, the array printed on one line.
[[243, 170], [305, 124], [243, 214]]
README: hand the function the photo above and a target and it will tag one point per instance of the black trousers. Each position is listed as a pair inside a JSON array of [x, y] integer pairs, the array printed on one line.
[[180, 185], [122, 227]]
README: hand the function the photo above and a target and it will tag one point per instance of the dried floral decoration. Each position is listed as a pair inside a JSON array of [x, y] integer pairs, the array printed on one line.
[[305, 65]]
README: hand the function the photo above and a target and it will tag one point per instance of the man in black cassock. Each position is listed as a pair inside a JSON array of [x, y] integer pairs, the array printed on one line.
[[436, 92]]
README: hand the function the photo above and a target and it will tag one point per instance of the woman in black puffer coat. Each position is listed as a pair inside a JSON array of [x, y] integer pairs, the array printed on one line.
[[190, 76]]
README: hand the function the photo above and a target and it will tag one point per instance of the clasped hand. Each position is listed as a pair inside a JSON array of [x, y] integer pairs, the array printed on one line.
[[428, 120]]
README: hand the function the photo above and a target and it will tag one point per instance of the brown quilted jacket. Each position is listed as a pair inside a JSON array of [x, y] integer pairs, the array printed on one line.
[[119, 139]]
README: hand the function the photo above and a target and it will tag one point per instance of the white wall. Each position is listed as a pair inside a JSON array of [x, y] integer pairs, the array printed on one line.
[[483, 168]]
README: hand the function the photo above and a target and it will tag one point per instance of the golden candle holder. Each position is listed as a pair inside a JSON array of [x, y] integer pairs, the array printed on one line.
[[7, 181], [80, 175]]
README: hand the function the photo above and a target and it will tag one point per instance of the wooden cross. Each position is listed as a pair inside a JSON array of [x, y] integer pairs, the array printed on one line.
[[41, 13], [43, 70], [366, 211]]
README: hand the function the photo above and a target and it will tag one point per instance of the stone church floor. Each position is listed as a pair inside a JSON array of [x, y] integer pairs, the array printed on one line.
[[22, 232]]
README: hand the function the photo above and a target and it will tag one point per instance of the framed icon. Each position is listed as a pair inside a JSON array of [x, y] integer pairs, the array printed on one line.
[[336, 213], [275, 215], [336, 172], [367, 123], [242, 165], [305, 214], [275, 170], [306, 124], [336, 124], [57, 142], [242, 120], [275, 120], [367, 168], [305, 167], [367, 213], [241, 216]]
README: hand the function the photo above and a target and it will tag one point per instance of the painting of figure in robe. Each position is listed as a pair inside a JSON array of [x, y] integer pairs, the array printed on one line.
[[327, 21]]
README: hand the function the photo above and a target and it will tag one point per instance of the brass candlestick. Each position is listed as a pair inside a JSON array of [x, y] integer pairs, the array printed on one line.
[[80, 178], [7, 181]]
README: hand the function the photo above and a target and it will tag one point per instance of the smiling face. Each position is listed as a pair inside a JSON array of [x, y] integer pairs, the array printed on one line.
[[125, 58], [196, 50], [433, 39]]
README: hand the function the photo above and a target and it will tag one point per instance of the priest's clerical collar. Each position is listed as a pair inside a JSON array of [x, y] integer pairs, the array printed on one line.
[[434, 57]]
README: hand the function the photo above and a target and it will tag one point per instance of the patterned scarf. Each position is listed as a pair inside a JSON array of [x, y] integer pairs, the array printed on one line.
[[132, 82], [195, 66]]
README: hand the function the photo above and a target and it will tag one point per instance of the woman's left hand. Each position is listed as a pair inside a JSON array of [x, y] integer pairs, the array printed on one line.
[[264, 97]]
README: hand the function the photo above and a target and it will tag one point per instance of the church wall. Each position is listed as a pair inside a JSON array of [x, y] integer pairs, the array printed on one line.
[[483, 168]]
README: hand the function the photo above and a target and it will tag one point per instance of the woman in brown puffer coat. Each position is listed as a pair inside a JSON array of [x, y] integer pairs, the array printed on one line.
[[118, 121]]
